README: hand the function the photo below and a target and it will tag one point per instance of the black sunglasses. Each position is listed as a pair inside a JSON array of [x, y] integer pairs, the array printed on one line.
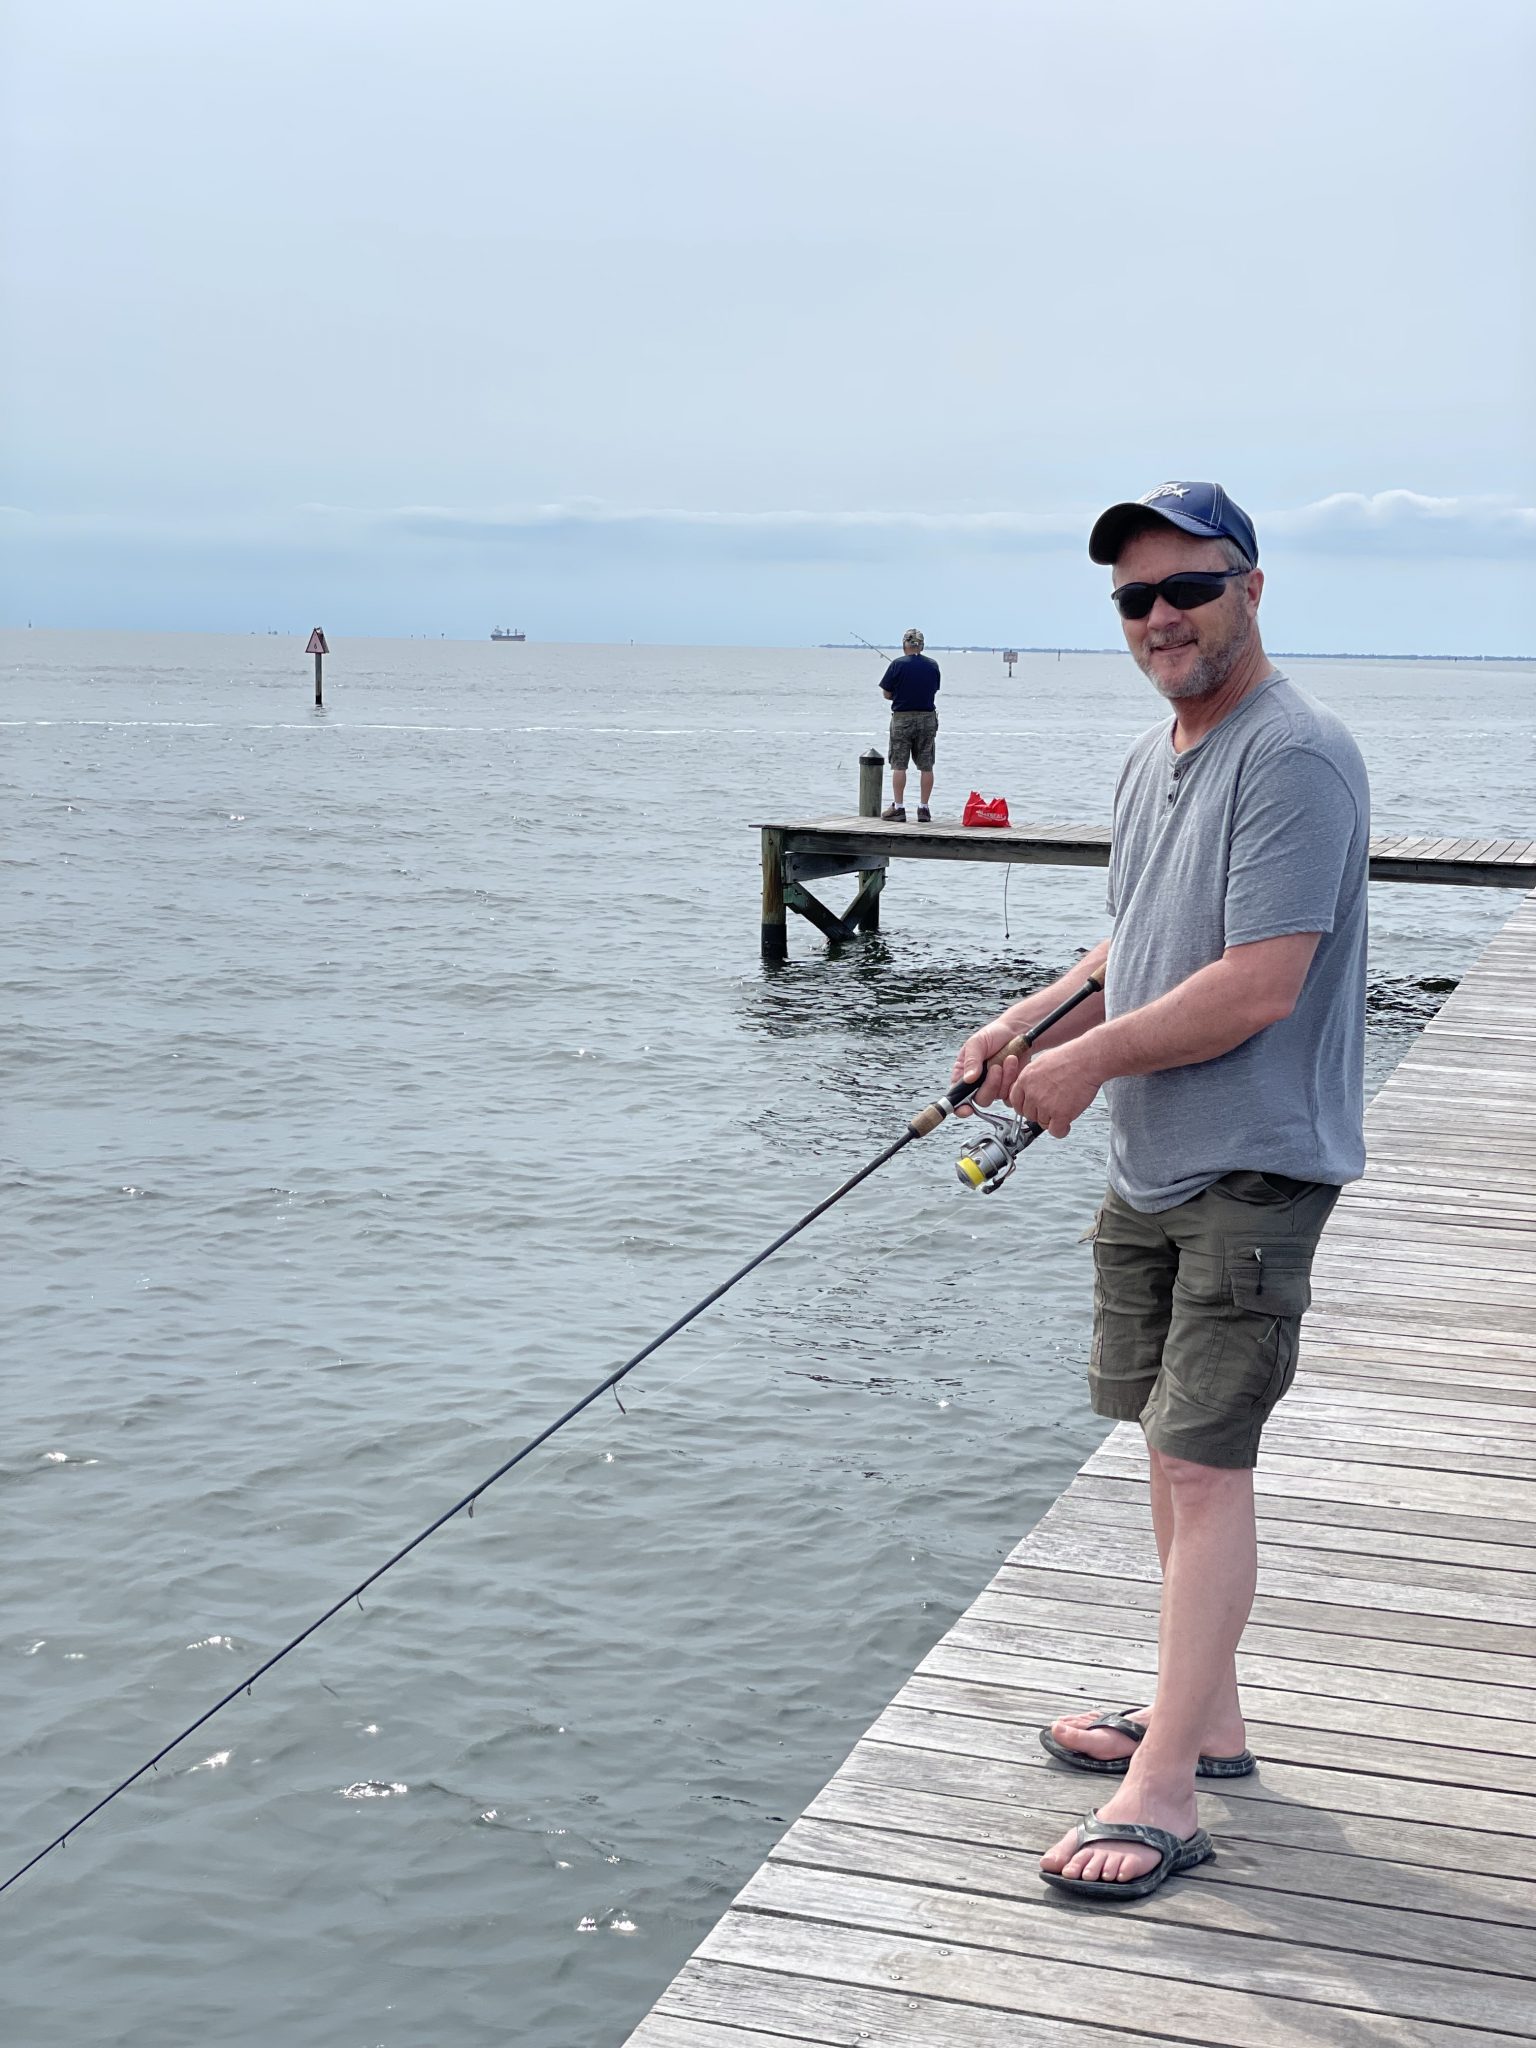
[[1186, 592]]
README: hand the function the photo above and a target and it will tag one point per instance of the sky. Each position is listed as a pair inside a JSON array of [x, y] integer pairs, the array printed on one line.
[[762, 321]]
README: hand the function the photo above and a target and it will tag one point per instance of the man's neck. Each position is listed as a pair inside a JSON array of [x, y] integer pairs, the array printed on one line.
[[1194, 717]]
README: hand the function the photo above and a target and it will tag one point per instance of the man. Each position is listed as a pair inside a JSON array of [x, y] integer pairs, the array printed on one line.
[[1229, 1044], [911, 683]]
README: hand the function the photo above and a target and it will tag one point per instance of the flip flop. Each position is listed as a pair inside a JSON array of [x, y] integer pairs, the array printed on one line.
[[1240, 1766], [1178, 1853]]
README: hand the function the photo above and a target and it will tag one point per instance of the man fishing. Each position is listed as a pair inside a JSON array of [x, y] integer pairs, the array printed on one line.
[[911, 683], [1229, 1046]]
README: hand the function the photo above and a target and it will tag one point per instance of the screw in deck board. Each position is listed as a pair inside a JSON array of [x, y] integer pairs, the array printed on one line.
[[775, 917]]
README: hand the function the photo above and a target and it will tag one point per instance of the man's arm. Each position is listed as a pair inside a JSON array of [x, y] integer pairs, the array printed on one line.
[[1215, 1010]]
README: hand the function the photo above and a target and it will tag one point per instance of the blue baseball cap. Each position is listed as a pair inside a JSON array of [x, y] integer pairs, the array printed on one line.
[[1204, 510]]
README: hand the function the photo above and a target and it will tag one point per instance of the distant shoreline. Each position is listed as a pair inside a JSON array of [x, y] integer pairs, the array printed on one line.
[[821, 646], [1279, 653]]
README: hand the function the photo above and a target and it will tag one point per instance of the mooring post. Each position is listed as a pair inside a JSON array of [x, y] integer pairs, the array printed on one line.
[[864, 911], [871, 782], [775, 917]]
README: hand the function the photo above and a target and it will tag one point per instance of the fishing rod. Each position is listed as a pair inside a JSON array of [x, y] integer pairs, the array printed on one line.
[[871, 646], [986, 1165]]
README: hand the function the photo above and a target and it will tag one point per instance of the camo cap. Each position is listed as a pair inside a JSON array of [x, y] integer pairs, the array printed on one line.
[[1204, 510]]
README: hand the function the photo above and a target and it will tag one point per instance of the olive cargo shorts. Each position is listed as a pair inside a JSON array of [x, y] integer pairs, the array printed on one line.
[[1197, 1309], [912, 735]]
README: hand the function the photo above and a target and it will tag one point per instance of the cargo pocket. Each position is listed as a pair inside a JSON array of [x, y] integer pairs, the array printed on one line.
[[1271, 1290], [1270, 1279]]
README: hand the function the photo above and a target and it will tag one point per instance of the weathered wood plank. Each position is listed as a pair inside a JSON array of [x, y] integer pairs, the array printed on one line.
[[855, 1849], [1335, 1787], [983, 1983], [1141, 1941], [1383, 1582], [1456, 1492], [1327, 1525], [1288, 1805], [1123, 1621], [1285, 1610], [1055, 1651], [864, 1798], [1293, 1728]]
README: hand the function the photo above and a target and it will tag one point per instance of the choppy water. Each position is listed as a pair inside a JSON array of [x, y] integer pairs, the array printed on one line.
[[379, 1078]]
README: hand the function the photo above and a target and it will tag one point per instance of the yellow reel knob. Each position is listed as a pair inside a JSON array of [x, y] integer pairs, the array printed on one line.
[[971, 1170]]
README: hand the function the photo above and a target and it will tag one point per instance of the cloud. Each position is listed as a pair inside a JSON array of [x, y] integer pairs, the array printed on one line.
[[1404, 523], [1392, 522], [1389, 524]]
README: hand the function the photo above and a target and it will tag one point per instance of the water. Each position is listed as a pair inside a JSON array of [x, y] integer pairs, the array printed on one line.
[[379, 1079]]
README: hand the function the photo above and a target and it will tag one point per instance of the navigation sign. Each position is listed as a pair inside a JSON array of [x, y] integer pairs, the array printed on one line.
[[317, 643]]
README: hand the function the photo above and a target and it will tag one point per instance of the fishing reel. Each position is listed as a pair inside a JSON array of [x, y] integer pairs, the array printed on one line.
[[988, 1160]]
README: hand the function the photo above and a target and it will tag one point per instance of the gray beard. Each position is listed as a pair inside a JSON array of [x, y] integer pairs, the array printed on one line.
[[1212, 667]]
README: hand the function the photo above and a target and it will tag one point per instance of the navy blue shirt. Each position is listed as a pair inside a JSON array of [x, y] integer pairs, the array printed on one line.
[[913, 681]]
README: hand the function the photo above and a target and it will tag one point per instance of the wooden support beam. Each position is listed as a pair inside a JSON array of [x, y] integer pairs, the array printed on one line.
[[775, 923], [810, 907], [864, 910]]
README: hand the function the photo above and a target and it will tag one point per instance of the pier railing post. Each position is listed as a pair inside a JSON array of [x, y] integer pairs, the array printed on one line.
[[775, 917], [871, 782]]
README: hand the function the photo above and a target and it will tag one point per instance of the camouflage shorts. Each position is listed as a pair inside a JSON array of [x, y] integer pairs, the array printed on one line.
[[913, 734], [1197, 1311]]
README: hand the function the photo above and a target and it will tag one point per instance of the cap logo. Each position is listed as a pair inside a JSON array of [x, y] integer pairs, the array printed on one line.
[[1166, 491]]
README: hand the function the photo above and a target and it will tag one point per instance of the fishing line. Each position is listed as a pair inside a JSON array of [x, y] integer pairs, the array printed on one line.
[[924, 1122]]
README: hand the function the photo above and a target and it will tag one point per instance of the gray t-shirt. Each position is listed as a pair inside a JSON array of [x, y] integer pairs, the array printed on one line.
[[1260, 830]]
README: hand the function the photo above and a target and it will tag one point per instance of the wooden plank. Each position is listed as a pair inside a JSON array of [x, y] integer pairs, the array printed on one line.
[[1456, 1492], [1055, 1649], [1287, 1805], [1295, 1728], [1033, 1818], [1282, 1609], [671, 2030], [985, 1870], [1140, 1943], [1336, 1787], [1124, 1622], [1327, 1525], [980, 1981], [1281, 1501]]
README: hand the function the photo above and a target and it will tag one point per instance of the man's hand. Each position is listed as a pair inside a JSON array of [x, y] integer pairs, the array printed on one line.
[[978, 1049], [1057, 1086]]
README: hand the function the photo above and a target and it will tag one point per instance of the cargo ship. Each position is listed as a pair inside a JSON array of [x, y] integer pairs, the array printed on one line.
[[506, 633]]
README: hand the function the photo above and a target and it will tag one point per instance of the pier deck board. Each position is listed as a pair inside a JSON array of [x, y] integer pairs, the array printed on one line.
[[1507, 863], [1375, 1880]]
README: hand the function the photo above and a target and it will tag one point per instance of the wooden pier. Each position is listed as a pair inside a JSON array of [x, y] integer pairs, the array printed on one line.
[[797, 854], [1375, 1882]]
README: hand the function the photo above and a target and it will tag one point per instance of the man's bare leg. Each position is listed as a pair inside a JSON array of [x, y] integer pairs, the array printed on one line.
[[1208, 1589], [1073, 1729], [898, 785], [924, 786]]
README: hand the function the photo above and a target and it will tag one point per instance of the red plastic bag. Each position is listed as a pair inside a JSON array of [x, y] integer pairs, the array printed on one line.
[[980, 810]]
